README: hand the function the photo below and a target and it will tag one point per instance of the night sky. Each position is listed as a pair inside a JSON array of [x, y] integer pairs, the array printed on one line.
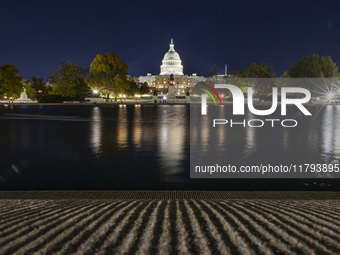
[[37, 36]]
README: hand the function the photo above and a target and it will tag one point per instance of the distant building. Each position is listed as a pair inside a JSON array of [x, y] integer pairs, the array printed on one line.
[[171, 65], [130, 78], [149, 79]]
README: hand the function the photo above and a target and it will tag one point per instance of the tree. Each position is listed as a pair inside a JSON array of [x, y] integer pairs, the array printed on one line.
[[39, 87], [69, 81], [313, 67], [254, 74], [144, 88], [11, 84], [133, 88], [97, 82], [141, 88], [112, 71], [256, 70], [264, 87]]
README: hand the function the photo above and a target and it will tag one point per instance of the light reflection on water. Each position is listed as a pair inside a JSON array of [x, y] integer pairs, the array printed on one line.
[[328, 132], [250, 136], [336, 136], [138, 146], [316, 140], [96, 131], [204, 145], [171, 143], [122, 130], [221, 133], [331, 134], [137, 127]]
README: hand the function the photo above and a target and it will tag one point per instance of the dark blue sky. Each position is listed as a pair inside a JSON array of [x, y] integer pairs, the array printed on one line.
[[37, 36]]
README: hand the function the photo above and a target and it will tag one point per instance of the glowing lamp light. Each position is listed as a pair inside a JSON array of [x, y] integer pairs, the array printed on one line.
[[164, 97], [120, 95], [330, 95], [95, 91], [124, 96]]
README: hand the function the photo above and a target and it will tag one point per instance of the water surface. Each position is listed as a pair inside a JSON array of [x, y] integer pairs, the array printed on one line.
[[130, 147]]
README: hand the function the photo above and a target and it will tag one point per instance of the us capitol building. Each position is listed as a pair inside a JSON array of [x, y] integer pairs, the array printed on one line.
[[171, 65]]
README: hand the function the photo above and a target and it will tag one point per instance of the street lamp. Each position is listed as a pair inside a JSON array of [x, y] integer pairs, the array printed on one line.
[[137, 96], [330, 95]]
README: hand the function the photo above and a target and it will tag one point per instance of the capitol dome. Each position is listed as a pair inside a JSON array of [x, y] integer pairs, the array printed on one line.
[[171, 64]]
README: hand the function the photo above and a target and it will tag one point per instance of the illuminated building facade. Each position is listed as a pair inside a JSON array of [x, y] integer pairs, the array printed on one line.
[[171, 65]]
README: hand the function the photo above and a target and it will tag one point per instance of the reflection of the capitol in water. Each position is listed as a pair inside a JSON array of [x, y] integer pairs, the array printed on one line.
[[132, 129], [171, 142]]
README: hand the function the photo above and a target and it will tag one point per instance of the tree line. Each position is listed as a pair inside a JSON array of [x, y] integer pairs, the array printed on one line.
[[107, 77], [254, 76]]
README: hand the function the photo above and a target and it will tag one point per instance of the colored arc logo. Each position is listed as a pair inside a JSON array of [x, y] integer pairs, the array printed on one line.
[[209, 93]]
